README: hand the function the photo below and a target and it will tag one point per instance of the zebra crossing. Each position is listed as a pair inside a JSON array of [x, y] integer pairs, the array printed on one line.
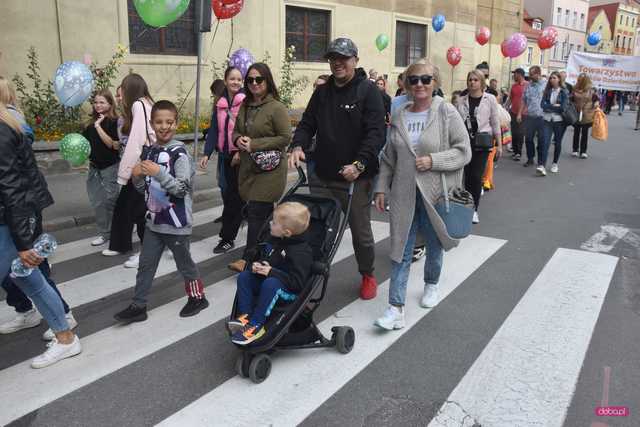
[[172, 371]]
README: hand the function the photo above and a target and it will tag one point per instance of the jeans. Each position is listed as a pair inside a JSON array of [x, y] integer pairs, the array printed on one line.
[[555, 129], [620, 99], [152, 247], [232, 211], [19, 301], [267, 290], [534, 130], [432, 262], [518, 131], [103, 190], [581, 138], [34, 286], [473, 173]]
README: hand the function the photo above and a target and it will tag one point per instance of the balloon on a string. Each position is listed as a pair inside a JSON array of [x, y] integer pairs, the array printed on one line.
[[516, 44], [160, 13], [548, 38], [454, 56], [503, 49], [438, 22], [483, 35], [73, 83], [226, 9], [382, 41], [75, 149], [594, 38], [242, 60]]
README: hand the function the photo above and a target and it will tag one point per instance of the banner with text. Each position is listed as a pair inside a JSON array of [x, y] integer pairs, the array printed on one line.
[[614, 72]]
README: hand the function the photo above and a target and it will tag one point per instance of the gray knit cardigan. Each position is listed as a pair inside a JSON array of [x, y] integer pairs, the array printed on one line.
[[446, 140]]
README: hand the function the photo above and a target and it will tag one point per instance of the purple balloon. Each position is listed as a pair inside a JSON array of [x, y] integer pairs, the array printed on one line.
[[242, 60], [516, 44]]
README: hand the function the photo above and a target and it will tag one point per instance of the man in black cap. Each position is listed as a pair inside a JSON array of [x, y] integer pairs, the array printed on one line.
[[347, 116]]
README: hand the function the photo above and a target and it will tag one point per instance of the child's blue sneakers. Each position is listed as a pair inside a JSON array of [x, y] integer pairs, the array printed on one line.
[[237, 324], [248, 334]]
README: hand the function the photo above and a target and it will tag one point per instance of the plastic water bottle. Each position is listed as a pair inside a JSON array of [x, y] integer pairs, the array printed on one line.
[[44, 246]]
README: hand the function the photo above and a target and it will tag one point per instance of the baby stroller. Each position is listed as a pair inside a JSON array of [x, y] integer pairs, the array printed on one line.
[[290, 325]]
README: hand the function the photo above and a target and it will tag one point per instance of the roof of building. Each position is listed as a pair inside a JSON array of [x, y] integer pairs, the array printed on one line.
[[610, 10], [526, 26]]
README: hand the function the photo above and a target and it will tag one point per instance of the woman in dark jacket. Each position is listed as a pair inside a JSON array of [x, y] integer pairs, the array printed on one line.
[[263, 128], [554, 102], [23, 196]]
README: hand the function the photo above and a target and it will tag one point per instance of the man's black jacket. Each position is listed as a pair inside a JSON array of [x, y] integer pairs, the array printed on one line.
[[349, 125], [23, 190]]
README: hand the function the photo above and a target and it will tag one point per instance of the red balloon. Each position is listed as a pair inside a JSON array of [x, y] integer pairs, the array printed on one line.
[[483, 35], [454, 56], [503, 49], [548, 38], [225, 9]]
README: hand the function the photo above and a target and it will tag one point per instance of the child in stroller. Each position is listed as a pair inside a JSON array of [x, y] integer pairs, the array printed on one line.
[[281, 271]]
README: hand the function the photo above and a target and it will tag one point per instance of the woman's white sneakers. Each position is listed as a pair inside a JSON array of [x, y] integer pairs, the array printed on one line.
[[99, 241], [109, 252], [554, 168], [56, 352], [476, 218], [430, 296], [393, 318], [29, 319], [133, 261], [50, 336], [575, 154]]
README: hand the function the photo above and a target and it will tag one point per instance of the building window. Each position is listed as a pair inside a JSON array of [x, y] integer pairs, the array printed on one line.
[[575, 19], [555, 51], [579, 48], [624, 42], [564, 50], [633, 22], [566, 18], [411, 43], [309, 31], [582, 21], [570, 49], [617, 41], [537, 25], [627, 21], [559, 16], [529, 55], [179, 38], [621, 18], [542, 57]]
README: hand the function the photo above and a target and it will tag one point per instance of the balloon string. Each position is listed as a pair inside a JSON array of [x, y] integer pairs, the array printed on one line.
[[231, 44]]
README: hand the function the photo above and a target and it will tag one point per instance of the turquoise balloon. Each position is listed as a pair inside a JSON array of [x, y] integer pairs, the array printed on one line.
[[382, 41], [160, 13], [75, 149]]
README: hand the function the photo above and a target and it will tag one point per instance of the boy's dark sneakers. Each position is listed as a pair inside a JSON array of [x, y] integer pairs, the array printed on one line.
[[223, 247], [133, 313], [236, 325], [248, 334], [218, 220], [194, 306]]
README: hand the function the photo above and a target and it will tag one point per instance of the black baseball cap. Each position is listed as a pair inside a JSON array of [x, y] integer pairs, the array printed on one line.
[[519, 71], [342, 46]]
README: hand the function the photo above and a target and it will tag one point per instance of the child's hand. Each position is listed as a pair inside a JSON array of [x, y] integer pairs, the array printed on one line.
[[137, 170], [150, 168], [262, 268]]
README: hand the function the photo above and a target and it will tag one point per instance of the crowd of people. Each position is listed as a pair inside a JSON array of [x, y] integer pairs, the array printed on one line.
[[401, 154]]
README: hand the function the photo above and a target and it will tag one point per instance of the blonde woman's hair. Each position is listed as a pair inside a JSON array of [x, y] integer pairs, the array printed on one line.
[[7, 93], [424, 62], [583, 84], [480, 76], [293, 216], [9, 119]]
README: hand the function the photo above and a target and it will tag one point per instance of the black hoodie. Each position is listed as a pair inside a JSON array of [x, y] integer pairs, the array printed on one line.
[[349, 125], [290, 260]]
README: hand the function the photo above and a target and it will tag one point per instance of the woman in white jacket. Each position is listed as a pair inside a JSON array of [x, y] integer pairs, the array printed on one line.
[[130, 207]]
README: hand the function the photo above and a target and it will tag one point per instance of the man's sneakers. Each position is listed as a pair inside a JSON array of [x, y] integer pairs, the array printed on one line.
[[56, 352], [133, 261], [528, 163], [50, 336], [99, 241], [430, 296], [541, 171], [516, 157], [248, 334], [237, 265], [194, 306], [109, 252], [418, 252], [554, 168], [133, 313], [368, 287], [223, 247], [476, 218], [26, 320], [393, 318], [237, 324], [584, 155], [575, 154]]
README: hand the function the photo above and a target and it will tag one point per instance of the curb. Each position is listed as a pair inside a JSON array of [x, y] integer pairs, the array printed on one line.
[[71, 221]]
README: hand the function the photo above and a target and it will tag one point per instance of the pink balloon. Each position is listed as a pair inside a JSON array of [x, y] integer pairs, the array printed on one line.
[[516, 44], [548, 38], [454, 56], [483, 35]]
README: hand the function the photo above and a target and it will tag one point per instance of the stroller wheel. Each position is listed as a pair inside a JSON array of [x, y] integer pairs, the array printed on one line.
[[260, 368], [345, 339], [242, 365]]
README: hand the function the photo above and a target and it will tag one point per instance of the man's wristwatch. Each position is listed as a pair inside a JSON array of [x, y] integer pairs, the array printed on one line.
[[359, 165]]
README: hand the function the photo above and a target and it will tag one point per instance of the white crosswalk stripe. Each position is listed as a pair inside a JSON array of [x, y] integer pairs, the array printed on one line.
[[568, 292]]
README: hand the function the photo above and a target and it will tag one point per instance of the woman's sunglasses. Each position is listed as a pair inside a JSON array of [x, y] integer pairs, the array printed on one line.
[[255, 80], [425, 79]]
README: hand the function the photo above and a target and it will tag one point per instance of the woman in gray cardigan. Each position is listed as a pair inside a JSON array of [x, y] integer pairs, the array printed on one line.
[[428, 139]]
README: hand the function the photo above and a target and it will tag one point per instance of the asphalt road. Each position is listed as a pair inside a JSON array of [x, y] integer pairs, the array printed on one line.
[[181, 371]]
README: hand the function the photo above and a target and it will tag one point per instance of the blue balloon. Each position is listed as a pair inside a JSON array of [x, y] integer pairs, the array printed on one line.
[[438, 22], [594, 38], [73, 83]]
